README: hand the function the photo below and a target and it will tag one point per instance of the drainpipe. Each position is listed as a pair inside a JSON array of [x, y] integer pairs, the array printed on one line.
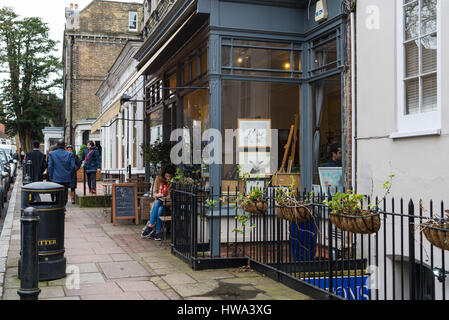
[[353, 103], [71, 89], [64, 88]]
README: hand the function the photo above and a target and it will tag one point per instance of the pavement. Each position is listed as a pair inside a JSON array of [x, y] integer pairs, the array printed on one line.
[[106, 262]]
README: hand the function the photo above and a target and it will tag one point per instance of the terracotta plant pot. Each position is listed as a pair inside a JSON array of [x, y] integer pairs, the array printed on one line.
[[297, 214], [366, 223], [436, 235]]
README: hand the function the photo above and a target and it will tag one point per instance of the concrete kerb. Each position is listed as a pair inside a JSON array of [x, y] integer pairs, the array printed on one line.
[[5, 237]]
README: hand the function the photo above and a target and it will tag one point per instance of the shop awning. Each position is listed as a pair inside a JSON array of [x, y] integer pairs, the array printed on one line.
[[106, 116], [112, 112]]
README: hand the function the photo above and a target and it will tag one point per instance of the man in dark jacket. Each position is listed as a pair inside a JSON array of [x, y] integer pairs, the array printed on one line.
[[336, 155], [38, 165], [74, 180], [61, 165], [91, 160]]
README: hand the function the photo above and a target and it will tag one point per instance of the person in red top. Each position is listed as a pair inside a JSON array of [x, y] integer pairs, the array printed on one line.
[[161, 193]]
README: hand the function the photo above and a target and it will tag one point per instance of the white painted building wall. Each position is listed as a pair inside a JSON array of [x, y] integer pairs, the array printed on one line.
[[419, 156]]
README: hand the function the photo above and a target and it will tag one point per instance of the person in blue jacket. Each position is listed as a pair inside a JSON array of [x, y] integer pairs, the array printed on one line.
[[91, 160], [61, 165]]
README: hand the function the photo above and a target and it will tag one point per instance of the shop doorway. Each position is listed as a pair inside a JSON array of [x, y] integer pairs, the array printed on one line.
[[327, 133]]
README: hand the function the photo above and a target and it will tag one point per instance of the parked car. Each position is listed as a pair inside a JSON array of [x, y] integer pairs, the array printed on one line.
[[4, 160], [4, 185], [13, 165]]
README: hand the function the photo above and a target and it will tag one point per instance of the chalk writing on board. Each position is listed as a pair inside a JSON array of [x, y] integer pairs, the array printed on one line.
[[125, 201]]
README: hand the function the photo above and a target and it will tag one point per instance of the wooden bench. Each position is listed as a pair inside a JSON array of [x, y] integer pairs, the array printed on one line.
[[164, 220]]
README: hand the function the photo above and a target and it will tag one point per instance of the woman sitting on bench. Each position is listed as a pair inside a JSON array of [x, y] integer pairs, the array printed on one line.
[[161, 193]]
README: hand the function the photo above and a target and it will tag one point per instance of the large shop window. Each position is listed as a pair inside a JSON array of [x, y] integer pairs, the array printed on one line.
[[326, 120], [196, 116], [155, 124], [255, 58], [418, 33], [324, 53], [252, 107]]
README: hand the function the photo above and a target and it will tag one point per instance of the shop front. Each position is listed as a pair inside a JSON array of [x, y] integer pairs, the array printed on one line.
[[267, 77]]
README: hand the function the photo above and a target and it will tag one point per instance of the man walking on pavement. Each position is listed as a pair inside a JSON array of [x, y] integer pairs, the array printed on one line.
[[38, 165], [61, 165], [91, 164]]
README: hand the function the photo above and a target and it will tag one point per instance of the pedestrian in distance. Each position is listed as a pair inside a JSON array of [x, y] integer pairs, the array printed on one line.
[[74, 180], [61, 165], [38, 165], [91, 164]]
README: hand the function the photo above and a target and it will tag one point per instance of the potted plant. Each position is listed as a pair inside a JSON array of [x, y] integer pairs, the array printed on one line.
[[253, 201], [288, 206], [346, 212], [436, 231]]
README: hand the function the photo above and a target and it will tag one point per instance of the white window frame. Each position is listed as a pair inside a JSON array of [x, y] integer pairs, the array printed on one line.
[[425, 123], [129, 20]]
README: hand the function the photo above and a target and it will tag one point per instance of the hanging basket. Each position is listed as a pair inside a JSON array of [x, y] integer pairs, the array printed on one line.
[[436, 234], [299, 213], [254, 207], [367, 222]]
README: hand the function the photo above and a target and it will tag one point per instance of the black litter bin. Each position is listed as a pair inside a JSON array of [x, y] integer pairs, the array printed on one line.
[[51, 208]]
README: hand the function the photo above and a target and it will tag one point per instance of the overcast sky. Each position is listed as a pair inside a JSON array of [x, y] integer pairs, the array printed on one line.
[[52, 12]]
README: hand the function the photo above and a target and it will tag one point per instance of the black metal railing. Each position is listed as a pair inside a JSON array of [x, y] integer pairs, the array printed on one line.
[[317, 258]]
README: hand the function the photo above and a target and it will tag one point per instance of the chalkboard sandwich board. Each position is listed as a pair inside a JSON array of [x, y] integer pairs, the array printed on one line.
[[124, 202]]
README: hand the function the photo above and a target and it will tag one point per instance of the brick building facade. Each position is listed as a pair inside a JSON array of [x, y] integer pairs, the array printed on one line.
[[93, 38]]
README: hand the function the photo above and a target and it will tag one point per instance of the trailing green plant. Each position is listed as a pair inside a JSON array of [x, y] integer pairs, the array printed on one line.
[[180, 177], [156, 154], [350, 203], [243, 200]]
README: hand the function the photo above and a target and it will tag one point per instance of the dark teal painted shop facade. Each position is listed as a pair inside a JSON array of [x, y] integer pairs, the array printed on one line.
[[268, 28]]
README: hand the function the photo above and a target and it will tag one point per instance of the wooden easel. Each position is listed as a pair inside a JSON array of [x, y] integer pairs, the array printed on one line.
[[292, 136]]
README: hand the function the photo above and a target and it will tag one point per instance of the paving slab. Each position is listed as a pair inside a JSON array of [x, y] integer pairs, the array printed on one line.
[[113, 296], [153, 295], [124, 269], [94, 289], [51, 292], [129, 285]]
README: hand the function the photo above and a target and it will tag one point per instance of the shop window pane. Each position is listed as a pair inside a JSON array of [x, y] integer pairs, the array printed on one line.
[[186, 73], [429, 89], [326, 121], [196, 115], [156, 126], [195, 68], [261, 59], [297, 61], [226, 56], [204, 62], [264, 104], [172, 84], [412, 96], [325, 56]]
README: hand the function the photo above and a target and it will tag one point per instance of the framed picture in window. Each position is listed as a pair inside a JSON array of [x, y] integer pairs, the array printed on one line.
[[254, 133], [257, 164]]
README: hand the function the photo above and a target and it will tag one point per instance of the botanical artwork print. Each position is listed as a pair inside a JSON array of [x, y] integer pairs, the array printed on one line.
[[257, 164], [254, 133]]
